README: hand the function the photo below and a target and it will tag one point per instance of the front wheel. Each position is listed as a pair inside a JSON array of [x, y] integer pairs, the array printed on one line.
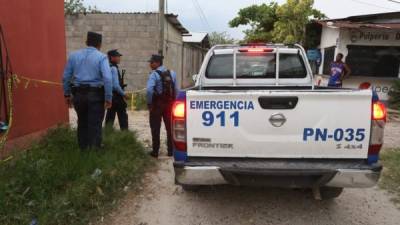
[[330, 192]]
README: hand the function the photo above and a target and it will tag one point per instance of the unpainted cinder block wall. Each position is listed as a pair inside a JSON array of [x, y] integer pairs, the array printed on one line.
[[135, 35]]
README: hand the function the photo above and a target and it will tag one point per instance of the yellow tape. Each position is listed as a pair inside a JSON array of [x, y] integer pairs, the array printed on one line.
[[10, 81], [35, 82]]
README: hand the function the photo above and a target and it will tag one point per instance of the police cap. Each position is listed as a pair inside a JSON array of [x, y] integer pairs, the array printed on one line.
[[113, 52], [156, 58]]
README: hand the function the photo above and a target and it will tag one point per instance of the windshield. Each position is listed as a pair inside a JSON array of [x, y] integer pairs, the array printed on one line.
[[256, 66]]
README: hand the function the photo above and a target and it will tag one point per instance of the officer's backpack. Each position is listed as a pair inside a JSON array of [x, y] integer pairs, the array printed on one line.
[[168, 87]]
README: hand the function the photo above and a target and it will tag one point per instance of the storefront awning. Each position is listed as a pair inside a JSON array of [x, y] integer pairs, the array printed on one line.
[[355, 25]]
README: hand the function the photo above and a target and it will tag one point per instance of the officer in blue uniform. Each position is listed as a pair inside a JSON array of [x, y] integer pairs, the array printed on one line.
[[158, 108], [119, 105], [87, 84]]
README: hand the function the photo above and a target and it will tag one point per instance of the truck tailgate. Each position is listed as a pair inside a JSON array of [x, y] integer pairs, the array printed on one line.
[[279, 124]]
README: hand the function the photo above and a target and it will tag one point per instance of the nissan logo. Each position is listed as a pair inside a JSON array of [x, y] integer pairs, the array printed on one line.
[[277, 120]]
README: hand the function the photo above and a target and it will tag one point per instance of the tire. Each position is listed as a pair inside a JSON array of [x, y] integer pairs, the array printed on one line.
[[330, 192], [190, 188]]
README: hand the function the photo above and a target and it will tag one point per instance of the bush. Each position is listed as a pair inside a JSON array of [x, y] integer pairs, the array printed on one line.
[[391, 173], [140, 101], [394, 96], [55, 183]]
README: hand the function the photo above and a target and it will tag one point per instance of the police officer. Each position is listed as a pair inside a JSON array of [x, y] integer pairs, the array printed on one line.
[[87, 77], [119, 105], [158, 107]]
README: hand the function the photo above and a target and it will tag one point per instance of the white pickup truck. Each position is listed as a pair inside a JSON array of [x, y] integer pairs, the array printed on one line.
[[255, 117]]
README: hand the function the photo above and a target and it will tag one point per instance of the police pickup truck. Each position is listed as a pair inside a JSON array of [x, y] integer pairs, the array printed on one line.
[[255, 117]]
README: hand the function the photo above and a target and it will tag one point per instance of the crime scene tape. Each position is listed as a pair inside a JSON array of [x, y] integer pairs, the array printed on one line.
[[4, 137], [29, 81], [16, 79]]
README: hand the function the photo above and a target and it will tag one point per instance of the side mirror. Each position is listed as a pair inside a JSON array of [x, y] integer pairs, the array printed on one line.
[[194, 77]]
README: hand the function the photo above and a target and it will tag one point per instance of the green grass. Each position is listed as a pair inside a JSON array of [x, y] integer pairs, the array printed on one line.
[[391, 173], [394, 96], [140, 101], [57, 184]]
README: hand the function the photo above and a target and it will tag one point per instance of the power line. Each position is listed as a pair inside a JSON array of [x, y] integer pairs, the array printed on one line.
[[201, 14], [370, 4], [394, 1]]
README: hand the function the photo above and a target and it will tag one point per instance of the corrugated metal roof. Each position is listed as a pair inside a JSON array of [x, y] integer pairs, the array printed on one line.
[[173, 19], [366, 17], [356, 25], [195, 37]]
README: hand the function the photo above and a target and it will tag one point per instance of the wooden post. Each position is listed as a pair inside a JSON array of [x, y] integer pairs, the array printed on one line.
[[161, 21]]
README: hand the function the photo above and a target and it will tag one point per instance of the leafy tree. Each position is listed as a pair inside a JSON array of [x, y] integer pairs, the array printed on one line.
[[73, 7], [293, 16], [280, 23], [217, 38], [261, 19]]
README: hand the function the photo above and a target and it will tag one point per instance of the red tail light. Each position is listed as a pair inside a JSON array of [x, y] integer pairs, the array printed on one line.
[[179, 110], [378, 111], [179, 125], [378, 122], [256, 50]]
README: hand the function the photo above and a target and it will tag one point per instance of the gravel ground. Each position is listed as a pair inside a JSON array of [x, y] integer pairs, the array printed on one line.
[[160, 201]]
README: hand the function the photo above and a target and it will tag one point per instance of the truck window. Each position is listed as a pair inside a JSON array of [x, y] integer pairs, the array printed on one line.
[[220, 67], [256, 66], [291, 66]]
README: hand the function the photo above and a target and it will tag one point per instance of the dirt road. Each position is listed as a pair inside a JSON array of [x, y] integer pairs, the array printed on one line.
[[160, 201]]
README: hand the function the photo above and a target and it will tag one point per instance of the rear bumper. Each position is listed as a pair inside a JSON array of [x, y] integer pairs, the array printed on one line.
[[274, 173]]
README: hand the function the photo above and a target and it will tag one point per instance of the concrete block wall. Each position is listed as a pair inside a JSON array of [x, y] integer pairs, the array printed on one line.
[[194, 56], [173, 50], [135, 35]]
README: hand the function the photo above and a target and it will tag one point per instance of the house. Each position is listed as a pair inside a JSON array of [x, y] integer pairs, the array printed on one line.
[[196, 46], [371, 46]]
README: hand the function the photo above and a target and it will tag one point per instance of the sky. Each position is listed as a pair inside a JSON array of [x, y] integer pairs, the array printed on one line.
[[214, 15]]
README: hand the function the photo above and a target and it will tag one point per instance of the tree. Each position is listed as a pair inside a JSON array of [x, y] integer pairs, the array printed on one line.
[[280, 23], [73, 7], [218, 38], [261, 19], [293, 16]]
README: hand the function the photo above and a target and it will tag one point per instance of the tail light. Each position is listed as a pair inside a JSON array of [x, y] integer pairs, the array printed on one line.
[[179, 125], [256, 50], [378, 111], [378, 122]]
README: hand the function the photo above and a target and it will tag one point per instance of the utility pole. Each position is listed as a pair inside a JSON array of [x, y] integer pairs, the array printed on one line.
[[162, 23]]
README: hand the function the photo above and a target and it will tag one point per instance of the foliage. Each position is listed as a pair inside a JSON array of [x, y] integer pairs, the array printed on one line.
[[57, 184], [140, 101], [261, 19], [391, 174], [218, 38], [394, 96], [279, 23], [73, 7]]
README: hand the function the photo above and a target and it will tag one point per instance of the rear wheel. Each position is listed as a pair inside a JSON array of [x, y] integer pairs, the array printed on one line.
[[191, 188], [330, 192]]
